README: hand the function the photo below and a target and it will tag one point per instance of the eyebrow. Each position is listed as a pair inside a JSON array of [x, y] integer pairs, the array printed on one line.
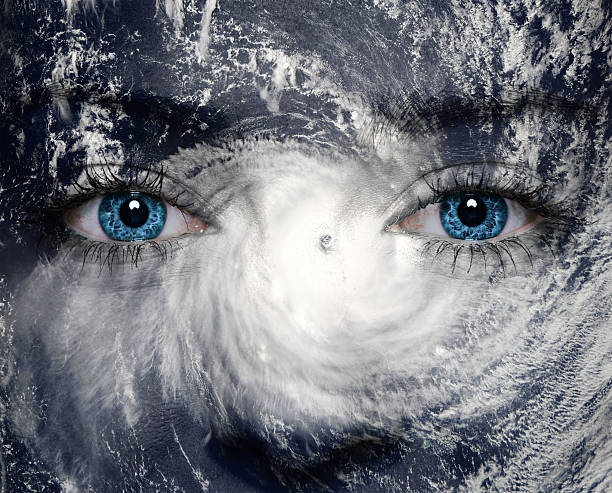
[[408, 113], [183, 116], [412, 115]]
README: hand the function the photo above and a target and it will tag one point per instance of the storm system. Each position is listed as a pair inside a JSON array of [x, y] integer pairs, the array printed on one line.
[[305, 246]]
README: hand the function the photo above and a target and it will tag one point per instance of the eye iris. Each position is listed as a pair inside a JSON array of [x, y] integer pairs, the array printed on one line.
[[473, 216], [132, 216]]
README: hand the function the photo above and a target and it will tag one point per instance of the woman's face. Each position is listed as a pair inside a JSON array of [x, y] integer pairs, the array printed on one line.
[[269, 246]]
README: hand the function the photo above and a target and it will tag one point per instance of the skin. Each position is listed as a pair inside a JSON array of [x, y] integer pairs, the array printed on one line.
[[256, 356]]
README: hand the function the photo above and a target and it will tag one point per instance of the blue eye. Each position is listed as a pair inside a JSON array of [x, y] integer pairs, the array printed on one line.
[[473, 216], [132, 216]]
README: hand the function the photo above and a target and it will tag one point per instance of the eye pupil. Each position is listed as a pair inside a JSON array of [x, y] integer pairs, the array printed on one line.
[[472, 211], [134, 213]]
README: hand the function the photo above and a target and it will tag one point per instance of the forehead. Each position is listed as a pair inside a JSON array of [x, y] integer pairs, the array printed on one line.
[[212, 49], [314, 71]]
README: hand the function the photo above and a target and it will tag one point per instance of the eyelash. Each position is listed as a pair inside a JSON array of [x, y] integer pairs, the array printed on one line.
[[103, 179], [514, 188], [109, 253], [509, 185]]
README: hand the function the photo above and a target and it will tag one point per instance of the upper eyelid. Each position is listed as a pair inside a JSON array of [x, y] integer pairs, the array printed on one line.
[[157, 174], [498, 164], [406, 202]]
